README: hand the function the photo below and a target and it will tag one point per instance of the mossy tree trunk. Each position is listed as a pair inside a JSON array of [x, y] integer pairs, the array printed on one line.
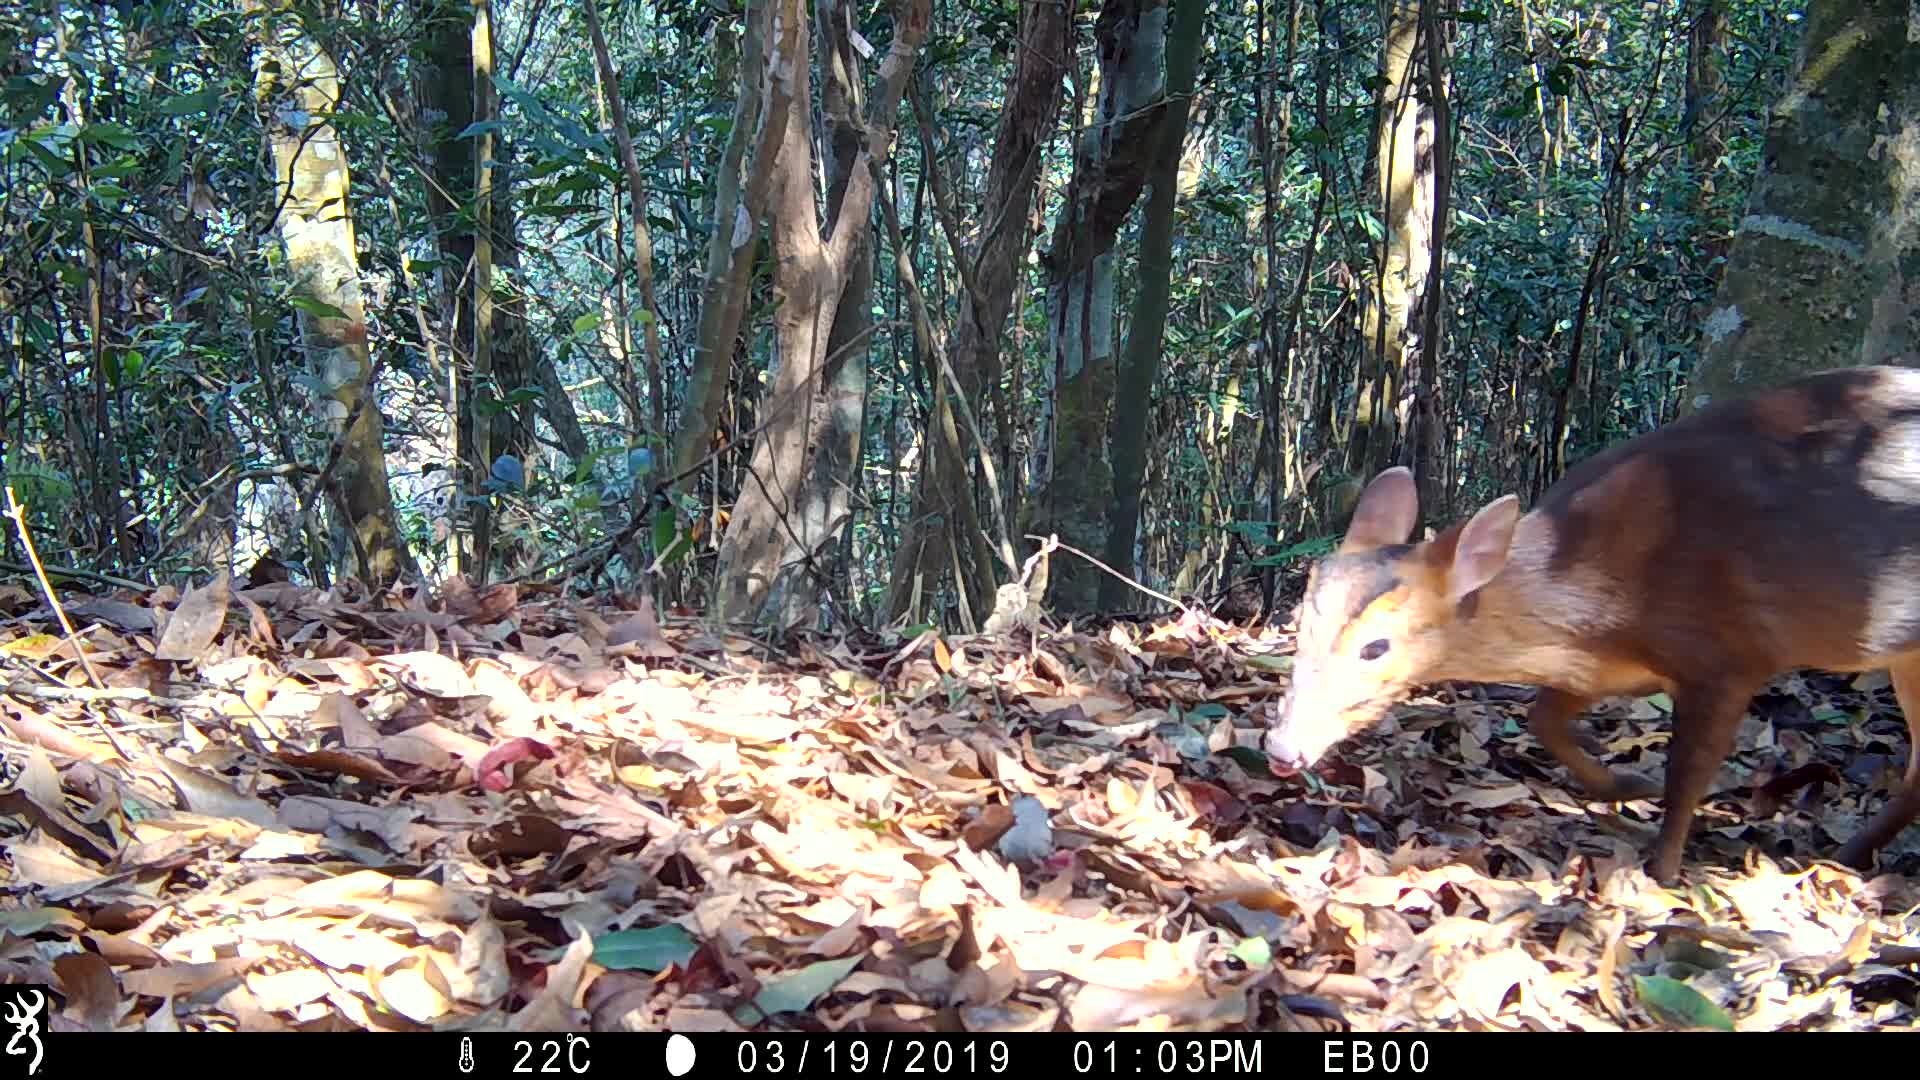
[[1141, 364], [1823, 270], [1109, 169]]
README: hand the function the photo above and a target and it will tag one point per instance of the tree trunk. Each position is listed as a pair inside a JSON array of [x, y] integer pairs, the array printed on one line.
[[785, 518], [525, 366], [760, 113], [484, 390], [1403, 167], [943, 529], [1817, 273], [843, 390], [1141, 365], [518, 366], [295, 80], [1109, 169], [642, 231], [443, 88], [1701, 122], [1429, 415]]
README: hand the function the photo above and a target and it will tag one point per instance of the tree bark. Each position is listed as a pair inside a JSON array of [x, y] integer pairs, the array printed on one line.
[[760, 115], [1109, 169], [942, 530], [1405, 177], [1706, 135], [784, 518], [843, 389], [518, 366], [484, 389], [1428, 454], [296, 82], [1141, 364], [1823, 269]]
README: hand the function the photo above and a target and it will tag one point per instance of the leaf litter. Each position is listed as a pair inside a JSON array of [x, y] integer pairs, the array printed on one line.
[[271, 808]]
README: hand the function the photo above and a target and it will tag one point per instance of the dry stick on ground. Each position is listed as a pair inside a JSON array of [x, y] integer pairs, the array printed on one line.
[[87, 693], [19, 516]]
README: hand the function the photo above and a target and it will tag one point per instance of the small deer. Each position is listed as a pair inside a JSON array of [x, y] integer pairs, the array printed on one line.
[[1755, 536]]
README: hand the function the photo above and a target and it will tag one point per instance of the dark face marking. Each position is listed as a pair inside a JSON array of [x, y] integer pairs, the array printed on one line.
[[1346, 584], [1339, 681]]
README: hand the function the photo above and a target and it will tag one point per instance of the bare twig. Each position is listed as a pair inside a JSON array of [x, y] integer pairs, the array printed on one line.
[[88, 693], [1054, 542], [84, 575], [19, 516]]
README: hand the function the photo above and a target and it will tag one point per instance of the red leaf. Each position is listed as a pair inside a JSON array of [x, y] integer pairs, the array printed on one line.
[[492, 767]]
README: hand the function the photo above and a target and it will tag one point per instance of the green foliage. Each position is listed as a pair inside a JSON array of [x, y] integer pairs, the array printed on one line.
[[1674, 1002], [1314, 548], [40, 487], [653, 948], [147, 178]]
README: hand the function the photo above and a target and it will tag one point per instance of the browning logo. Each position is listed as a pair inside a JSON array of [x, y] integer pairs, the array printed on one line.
[[21, 1008]]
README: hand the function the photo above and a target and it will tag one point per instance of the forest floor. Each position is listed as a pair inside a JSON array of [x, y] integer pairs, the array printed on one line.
[[271, 808]]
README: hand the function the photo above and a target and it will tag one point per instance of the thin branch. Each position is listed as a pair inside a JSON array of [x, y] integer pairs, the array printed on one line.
[[19, 516]]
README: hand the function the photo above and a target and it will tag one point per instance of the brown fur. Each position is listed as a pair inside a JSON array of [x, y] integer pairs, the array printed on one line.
[[1757, 536]]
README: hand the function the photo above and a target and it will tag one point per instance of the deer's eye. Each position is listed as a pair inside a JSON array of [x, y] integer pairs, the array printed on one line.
[[1374, 650]]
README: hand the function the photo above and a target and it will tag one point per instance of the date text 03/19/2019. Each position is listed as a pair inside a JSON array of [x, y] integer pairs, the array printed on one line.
[[1242, 1057], [933, 1056]]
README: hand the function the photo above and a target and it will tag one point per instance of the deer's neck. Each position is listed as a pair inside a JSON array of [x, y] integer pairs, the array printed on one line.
[[1536, 622]]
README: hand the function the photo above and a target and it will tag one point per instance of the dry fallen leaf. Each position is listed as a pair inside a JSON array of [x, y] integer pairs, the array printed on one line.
[[195, 621], [517, 807]]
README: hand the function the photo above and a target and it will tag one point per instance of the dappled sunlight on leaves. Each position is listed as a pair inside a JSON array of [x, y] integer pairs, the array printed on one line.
[[281, 810]]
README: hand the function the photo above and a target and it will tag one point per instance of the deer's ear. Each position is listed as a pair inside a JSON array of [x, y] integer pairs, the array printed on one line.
[[1385, 513], [1481, 551]]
